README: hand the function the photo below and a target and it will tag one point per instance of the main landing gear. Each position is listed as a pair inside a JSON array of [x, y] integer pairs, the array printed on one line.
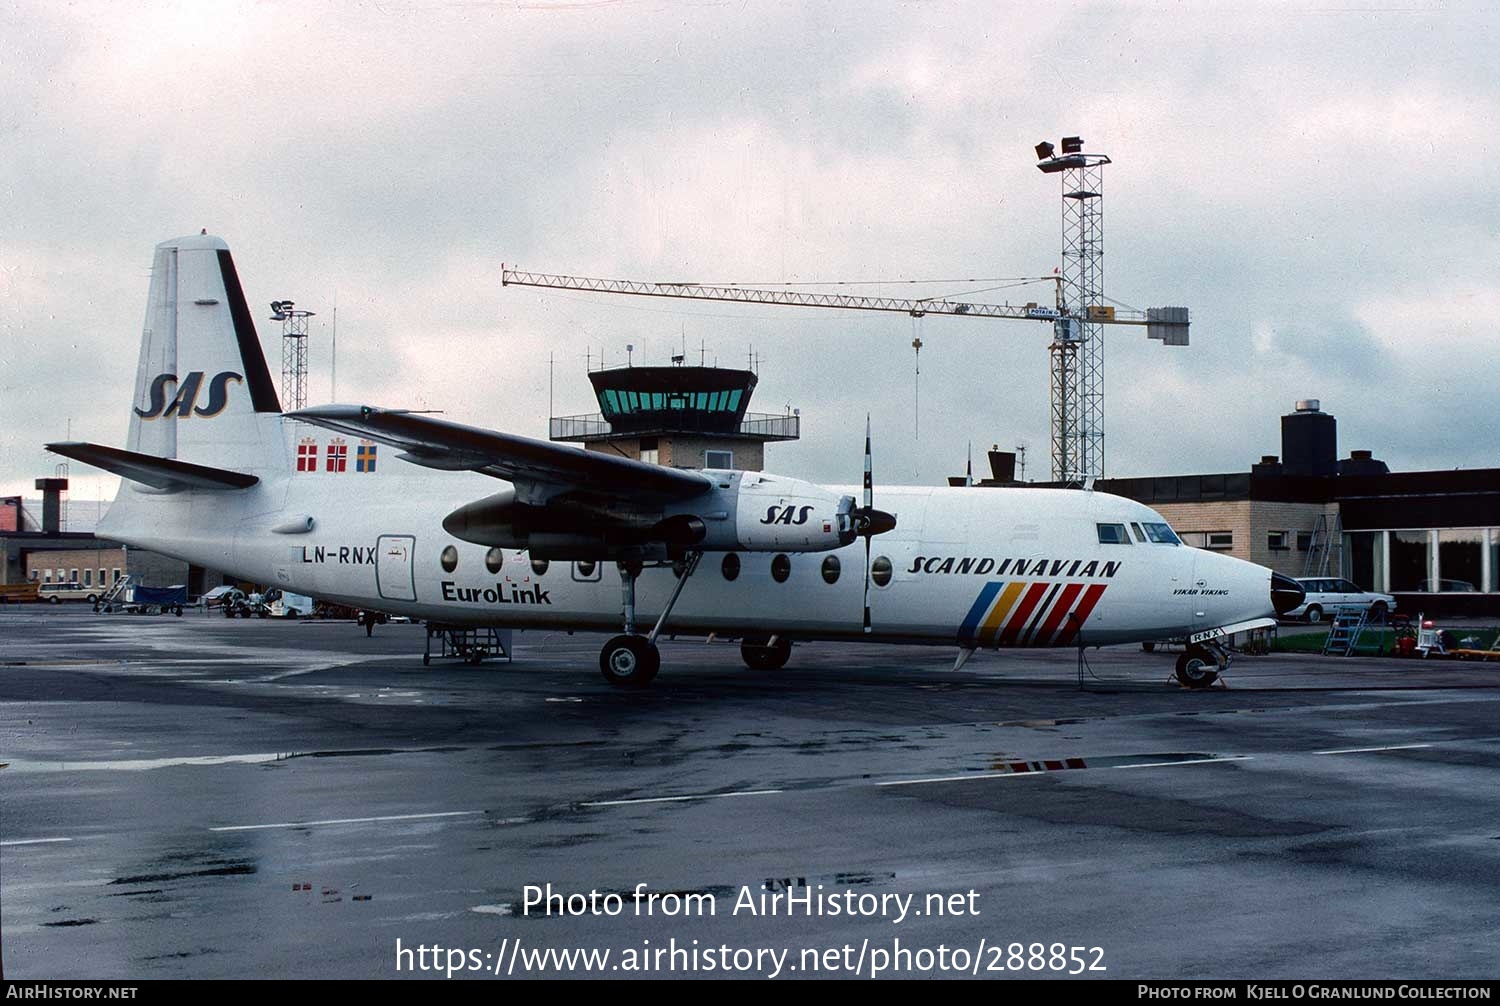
[[630, 660], [762, 654]]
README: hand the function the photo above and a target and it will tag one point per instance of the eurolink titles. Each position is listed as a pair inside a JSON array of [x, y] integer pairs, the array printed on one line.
[[794, 900]]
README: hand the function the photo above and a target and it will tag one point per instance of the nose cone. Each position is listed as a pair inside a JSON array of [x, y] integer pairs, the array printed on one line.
[[1286, 593]]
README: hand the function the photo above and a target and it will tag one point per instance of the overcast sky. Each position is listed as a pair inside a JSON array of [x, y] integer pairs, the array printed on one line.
[[1317, 181]]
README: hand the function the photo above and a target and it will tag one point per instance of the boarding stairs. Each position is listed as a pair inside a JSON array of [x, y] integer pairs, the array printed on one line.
[[470, 645], [116, 595], [1350, 621]]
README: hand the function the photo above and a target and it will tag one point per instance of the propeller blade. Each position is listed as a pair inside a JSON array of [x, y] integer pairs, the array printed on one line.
[[867, 583], [869, 469], [867, 514]]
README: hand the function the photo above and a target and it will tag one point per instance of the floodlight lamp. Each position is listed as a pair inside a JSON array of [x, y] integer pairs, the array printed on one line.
[[1044, 150], [1072, 144]]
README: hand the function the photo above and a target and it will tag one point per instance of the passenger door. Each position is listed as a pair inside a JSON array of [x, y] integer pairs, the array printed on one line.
[[394, 573]]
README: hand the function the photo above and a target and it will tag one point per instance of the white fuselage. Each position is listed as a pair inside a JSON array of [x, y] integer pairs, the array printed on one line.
[[969, 566]]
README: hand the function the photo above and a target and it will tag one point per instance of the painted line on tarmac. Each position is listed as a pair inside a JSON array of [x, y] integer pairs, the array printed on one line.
[[680, 799], [348, 820], [1190, 761], [962, 778], [32, 841], [1383, 747]]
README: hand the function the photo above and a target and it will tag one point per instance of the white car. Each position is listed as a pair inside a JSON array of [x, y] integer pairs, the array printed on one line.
[[1325, 595]]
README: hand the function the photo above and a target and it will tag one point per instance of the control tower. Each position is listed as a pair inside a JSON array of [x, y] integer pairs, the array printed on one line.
[[681, 417]]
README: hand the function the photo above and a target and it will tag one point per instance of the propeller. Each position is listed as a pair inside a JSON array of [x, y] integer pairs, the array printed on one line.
[[868, 522]]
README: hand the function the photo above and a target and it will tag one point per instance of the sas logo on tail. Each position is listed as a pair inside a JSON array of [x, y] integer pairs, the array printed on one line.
[[183, 404]]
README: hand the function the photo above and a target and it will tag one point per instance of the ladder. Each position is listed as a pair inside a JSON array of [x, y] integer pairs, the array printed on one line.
[[1327, 539], [1349, 623]]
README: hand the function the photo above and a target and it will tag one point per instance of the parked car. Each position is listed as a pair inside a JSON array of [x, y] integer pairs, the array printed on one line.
[[67, 590], [1446, 587], [1327, 594]]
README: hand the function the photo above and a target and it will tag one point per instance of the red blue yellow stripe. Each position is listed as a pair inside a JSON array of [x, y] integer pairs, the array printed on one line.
[[1029, 613]]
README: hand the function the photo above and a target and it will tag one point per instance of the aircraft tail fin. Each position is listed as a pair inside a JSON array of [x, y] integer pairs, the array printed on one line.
[[203, 392]]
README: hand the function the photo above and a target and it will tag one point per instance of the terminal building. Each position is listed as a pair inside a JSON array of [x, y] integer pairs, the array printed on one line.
[[681, 417], [40, 549]]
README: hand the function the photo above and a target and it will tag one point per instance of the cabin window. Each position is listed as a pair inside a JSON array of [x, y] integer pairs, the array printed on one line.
[[880, 571], [1113, 534], [831, 569], [449, 559], [493, 560], [781, 568], [731, 566], [1162, 534], [539, 566]]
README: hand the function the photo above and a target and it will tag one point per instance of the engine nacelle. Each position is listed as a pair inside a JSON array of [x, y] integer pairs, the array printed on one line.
[[778, 514]]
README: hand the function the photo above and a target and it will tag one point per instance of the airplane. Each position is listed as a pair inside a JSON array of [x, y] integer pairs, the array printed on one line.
[[471, 527]]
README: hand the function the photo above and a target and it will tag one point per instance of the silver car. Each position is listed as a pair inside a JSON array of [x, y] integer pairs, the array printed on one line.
[[1325, 595]]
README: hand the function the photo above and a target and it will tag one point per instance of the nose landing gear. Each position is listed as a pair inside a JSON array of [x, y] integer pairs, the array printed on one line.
[[1200, 664]]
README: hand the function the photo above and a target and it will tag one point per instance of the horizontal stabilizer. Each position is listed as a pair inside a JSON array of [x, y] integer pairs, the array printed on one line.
[[167, 474]]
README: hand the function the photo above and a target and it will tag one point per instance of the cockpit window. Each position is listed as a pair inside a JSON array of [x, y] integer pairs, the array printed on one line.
[[1162, 534], [1139, 534], [1113, 534]]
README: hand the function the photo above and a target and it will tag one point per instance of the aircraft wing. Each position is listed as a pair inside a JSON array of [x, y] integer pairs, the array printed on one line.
[[539, 470]]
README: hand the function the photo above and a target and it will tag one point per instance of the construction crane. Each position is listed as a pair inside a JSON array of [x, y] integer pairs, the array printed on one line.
[[1076, 317]]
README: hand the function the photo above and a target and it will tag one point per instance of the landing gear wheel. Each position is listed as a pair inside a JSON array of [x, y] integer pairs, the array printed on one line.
[[1197, 668], [760, 656], [629, 661]]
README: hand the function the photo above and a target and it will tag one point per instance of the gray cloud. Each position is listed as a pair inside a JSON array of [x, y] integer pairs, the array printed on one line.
[[1314, 183]]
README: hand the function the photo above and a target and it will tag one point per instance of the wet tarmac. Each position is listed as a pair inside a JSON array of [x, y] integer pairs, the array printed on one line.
[[200, 797]]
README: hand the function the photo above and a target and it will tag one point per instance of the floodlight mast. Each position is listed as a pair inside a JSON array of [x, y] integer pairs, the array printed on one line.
[[1077, 350]]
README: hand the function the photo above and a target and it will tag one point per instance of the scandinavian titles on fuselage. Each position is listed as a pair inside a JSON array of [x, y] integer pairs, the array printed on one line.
[[984, 566]]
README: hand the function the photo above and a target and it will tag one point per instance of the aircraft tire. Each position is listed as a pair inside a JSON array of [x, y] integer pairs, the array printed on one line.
[[758, 656], [1197, 668], [629, 661]]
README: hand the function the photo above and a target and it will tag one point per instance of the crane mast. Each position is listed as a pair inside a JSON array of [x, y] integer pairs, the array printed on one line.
[[1077, 318]]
